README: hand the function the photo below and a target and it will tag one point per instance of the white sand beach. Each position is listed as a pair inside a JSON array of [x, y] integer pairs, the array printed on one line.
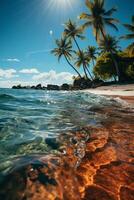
[[125, 92]]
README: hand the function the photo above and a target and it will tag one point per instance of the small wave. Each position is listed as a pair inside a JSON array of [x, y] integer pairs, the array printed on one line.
[[6, 96]]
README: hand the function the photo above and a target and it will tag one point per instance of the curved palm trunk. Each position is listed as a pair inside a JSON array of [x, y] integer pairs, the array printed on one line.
[[77, 44], [116, 65], [89, 73], [114, 78], [93, 63], [84, 68], [113, 58], [72, 66]]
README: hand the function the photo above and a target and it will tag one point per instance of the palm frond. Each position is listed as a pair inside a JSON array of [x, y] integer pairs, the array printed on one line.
[[110, 11], [112, 25], [81, 37], [89, 4], [85, 16], [87, 24], [128, 36], [98, 17], [129, 27]]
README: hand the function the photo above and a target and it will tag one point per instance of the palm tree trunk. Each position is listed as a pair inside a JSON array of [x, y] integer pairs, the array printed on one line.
[[72, 66], [84, 68], [114, 78], [116, 65], [89, 73], [77, 44], [93, 62], [112, 56]]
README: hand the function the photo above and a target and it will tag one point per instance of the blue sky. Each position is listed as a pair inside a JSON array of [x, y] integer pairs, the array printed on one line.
[[25, 39]]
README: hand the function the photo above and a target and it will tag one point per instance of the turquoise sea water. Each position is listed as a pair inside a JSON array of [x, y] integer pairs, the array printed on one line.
[[28, 117]]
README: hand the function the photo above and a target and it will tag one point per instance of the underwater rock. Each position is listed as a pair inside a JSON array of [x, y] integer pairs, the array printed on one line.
[[52, 142], [98, 164]]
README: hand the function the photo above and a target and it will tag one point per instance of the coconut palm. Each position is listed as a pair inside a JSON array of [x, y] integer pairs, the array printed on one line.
[[83, 60], [130, 50], [109, 45], [91, 53], [72, 31], [130, 28], [64, 48], [98, 19]]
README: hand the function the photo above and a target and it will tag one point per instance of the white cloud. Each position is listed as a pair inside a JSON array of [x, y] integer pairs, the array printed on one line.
[[12, 60], [29, 71], [9, 73], [53, 78]]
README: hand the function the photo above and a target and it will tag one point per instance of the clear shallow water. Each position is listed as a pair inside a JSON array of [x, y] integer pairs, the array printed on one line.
[[27, 117]]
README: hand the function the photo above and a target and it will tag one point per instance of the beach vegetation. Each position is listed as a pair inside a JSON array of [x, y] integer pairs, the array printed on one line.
[[130, 28], [91, 52], [107, 61], [83, 60], [64, 48], [104, 68], [98, 18]]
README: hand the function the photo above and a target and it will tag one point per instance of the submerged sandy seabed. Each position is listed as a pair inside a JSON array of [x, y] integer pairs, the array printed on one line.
[[94, 163]]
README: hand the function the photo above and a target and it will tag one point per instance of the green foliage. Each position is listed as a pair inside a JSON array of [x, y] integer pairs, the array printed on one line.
[[72, 30], [130, 28], [129, 51], [111, 63], [98, 17], [130, 71], [64, 48], [108, 44], [81, 58], [91, 52], [104, 68]]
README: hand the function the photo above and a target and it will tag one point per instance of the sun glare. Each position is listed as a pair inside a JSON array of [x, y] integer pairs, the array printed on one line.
[[61, 5]]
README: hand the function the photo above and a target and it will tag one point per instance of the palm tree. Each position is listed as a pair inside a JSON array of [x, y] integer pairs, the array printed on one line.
[[91, 53], [130, 28], [108, 45], [64, 48], [98, 18], [130, 50], [82, 59], [72, 31]]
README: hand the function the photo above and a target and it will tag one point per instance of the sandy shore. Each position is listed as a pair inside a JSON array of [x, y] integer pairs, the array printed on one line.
[[125, 92]]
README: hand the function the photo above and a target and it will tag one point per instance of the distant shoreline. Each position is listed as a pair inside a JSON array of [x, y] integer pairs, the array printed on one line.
[[123, 91]]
